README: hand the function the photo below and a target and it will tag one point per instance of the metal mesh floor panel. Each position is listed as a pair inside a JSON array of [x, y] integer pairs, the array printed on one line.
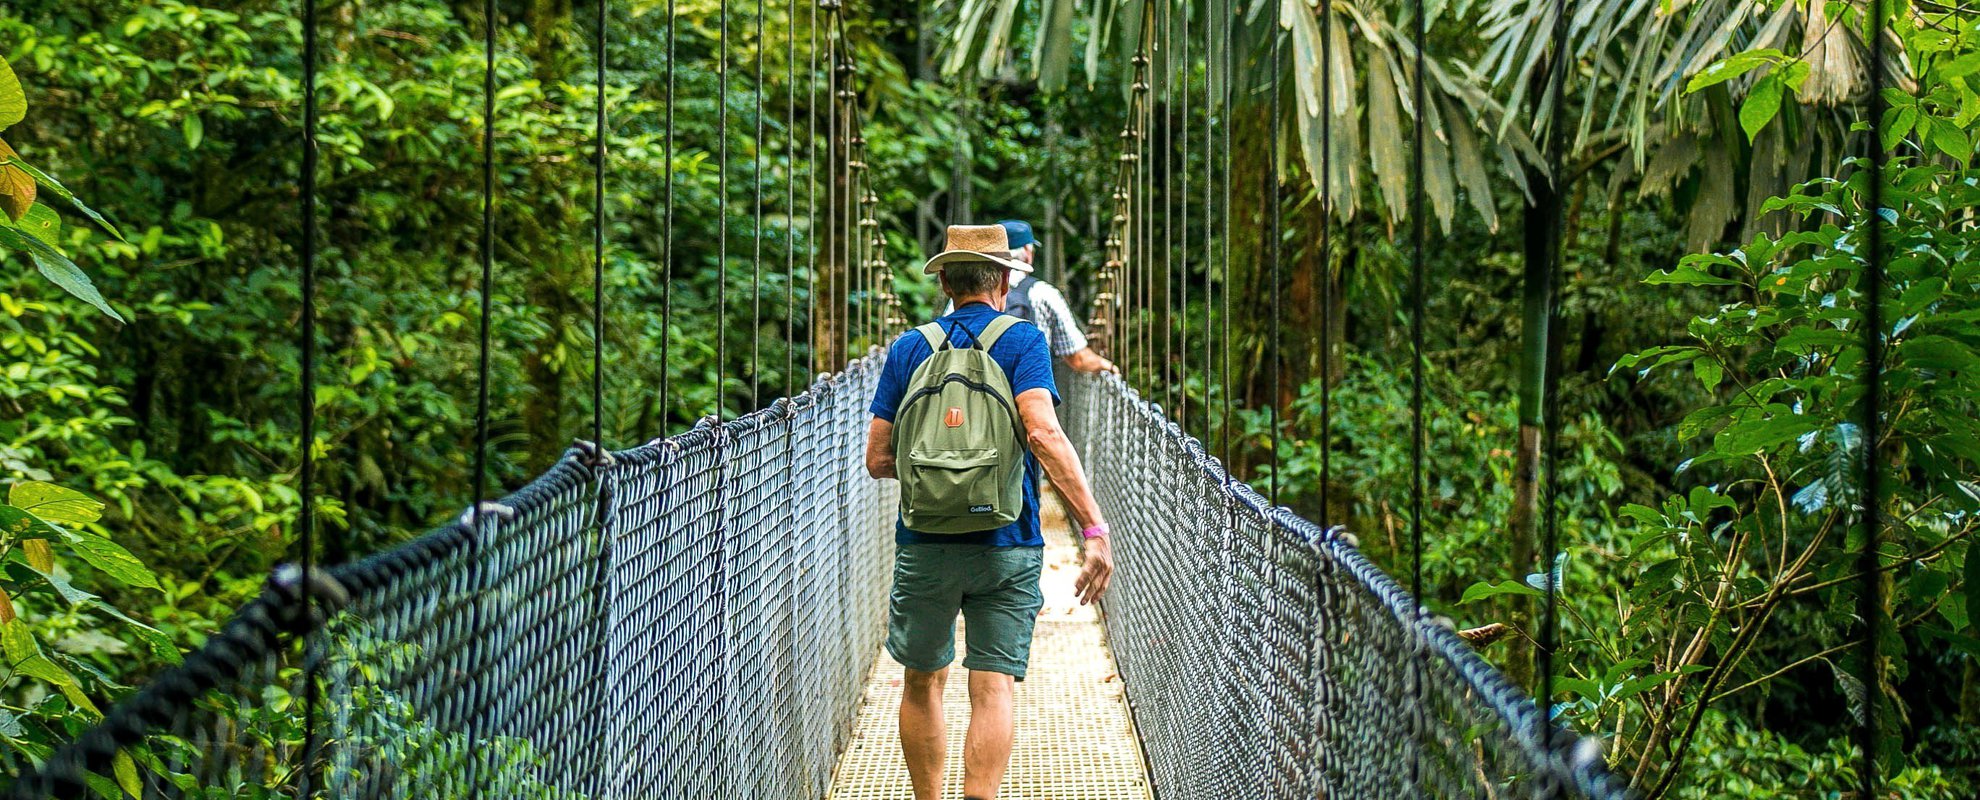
[[1074, 738]]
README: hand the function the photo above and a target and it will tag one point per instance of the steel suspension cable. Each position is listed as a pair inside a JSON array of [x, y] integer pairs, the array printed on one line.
[[722, 213], [1231, 74], [1416, 301], [1209, 211], [1326, 276], [1551, 401], [485, 317], [1168, 73], [790, 201], [1182, 263], [667, 232], [1268, 199], [487, 258], [1417, 363], [306, 399], [756, 232], [598, 244], [1868, 604]]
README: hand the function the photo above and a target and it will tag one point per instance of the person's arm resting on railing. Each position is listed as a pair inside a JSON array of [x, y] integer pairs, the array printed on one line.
[[1055, 452]]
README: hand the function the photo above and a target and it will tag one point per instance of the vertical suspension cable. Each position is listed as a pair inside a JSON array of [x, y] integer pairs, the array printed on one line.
[[1416, 300], [487, 258], [1182, 241], [1231, 75], [1168, 317], [667, 234], [1269, 201], [485, 317], [598, 245], [1550, 405], [812, 248], [790, 201], [1326, 276], [306, 400], [1209, 211], [756, 232], [722, 213], [1869, 605]]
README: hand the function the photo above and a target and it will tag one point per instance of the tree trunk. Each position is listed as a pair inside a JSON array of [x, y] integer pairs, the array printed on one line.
[[1536, 324]]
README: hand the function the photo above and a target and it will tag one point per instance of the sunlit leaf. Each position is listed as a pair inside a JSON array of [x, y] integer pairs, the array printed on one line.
[[17, 186], [1762, 104], [54, 503], [13, 100], [57, 268], [112, 559]]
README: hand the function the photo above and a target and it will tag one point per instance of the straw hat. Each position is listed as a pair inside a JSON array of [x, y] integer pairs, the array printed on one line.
[[975, 243]]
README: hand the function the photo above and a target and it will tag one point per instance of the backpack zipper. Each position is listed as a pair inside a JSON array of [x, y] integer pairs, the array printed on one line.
[[979, 386]]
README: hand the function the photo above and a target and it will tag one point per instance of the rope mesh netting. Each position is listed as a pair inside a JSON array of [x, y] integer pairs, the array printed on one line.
[[697, 617], [1266, 658], [693, 618]]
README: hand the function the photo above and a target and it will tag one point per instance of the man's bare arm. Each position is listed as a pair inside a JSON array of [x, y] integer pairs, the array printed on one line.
[[1055, 452], [880, 448], [1085, 360]]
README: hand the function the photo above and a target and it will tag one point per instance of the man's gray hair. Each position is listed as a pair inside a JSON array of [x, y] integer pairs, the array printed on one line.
[[969, 278]]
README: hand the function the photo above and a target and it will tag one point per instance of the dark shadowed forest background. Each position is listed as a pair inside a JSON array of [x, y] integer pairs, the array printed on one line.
[[1709, 342]]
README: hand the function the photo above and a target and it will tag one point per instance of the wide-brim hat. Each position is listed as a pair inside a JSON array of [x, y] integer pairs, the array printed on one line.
[[975, 244]]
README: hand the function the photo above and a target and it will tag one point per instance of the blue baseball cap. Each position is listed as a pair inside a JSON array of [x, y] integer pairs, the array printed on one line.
[[1019, 232]]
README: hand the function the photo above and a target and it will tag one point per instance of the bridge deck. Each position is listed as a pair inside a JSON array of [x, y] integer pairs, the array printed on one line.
[[1074, 737]]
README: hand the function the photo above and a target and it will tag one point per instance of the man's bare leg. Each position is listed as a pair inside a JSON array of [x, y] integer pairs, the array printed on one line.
[[923, 738], [987, 748]]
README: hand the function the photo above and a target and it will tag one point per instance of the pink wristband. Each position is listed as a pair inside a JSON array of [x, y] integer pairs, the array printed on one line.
[[1094, 531]]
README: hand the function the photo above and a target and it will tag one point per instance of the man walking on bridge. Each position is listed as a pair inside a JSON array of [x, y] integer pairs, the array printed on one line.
[[964, 417], [1044, 305]]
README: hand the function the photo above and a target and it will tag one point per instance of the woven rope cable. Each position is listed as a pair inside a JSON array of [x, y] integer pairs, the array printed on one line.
[[306, 394]]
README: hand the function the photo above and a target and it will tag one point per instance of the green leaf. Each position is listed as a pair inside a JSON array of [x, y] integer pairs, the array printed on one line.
[[18, 524], [1762, 104], [17, 642], [1689, 274], [194, 129], [160, 646], [41, 222], [1730, 68], [1483, 589], [55, 503], [1952, 141], [112, 559], [57, 268], [1709, 371], [49, 183], [127, 775], [13, 101], [70, 594]]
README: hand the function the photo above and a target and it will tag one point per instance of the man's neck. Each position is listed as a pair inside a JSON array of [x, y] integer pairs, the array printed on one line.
[[993, 301]]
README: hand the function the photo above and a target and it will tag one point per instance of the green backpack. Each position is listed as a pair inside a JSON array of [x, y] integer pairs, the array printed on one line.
[[958, 445]]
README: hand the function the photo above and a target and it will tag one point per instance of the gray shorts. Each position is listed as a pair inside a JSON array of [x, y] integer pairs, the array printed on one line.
[[994, 588]]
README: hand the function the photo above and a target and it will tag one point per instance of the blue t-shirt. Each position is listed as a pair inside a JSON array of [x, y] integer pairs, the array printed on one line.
[[1026, 360]]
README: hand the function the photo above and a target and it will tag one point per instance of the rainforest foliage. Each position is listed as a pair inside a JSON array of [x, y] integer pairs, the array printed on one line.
[[1709, 342]]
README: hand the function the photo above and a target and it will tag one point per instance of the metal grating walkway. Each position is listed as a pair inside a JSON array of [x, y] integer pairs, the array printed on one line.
[[1074, 737]]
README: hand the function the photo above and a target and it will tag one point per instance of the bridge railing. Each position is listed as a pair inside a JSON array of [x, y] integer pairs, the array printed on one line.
[[1266, 658], [692, 618]]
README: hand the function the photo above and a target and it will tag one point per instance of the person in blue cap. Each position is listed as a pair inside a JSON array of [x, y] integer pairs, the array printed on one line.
[[1046, 307]]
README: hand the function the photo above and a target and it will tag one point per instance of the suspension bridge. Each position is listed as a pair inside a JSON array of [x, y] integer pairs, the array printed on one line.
[[700, 616]]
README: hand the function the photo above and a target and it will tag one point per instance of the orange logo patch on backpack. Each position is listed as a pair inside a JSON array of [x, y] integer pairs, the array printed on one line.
[[954, 418]]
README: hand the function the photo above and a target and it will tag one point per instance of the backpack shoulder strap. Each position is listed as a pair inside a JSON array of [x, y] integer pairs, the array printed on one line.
[[937, 338], [995, 330]]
